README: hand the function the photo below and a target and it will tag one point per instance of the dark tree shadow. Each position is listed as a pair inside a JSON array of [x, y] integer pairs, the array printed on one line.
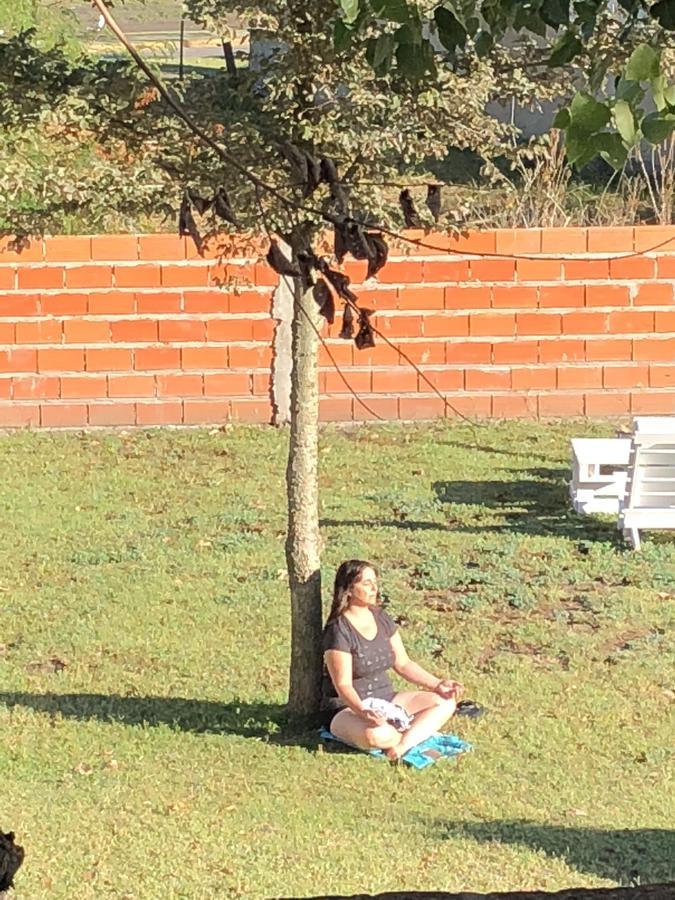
[[626, 856], [263, 721]]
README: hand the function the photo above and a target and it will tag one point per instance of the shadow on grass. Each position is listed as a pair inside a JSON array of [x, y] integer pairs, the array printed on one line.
[[643, 855], [537, 504], [263, 721]]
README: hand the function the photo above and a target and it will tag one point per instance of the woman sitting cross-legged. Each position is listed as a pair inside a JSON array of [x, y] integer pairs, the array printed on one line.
[[360, 643]]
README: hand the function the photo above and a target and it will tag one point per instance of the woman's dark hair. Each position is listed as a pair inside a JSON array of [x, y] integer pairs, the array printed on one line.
[[348, 572]]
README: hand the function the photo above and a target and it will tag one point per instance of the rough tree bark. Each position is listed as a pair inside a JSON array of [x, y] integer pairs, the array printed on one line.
[[302, 540]]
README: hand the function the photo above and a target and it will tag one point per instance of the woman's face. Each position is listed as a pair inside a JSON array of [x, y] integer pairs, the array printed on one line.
[[363, 591]]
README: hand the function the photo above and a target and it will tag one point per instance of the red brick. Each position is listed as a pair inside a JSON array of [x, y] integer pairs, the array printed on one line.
[[35, 387], [655, 238], [131, 386], [561, 405], [379, 407], [442, 271], [537, 323], [424, 408], [164, 413], [113, 413], [263, 276], [108, 360], [237, 275], [469, 352], [39, 277], [473, 242], [517, 241], [386, 355], [182, 330], [395, 381], [61, 359], [19, 415], [111, 303], [229, 330], [561, 295], [67, 249], [467, 297], [585, 323], [157, 302], [607, 403], [20, 250], [399, 326], [631, 321], [607, 295], [336, 409], [184, 276], [492, 325], [134, 331], [654, 294], [79, 387], [206, 412], [561, 351], [510, 406], [227, 384], [514, 297], [12, 305], [63, 415], [81, 331], [533, 379], [136, 276], [149, 358], [579, 377], [661, 376], [539, 269], [18, 360], [214, 301], [632, 267], [408, 271], [446, 326], [5, 388], [625, 376], [609, 350], [442, 379], [7, 333], [478, 405], [332, 383], [663, 321], [251, 410], [243, 302], [199, 358], [64, 304], [46, 331], [585, 269], [392, 298], [652, 403], [342, 353], [88, 277], [263, 330], [114, 246], [181, 385], [246, 357], [564, 240], [262, 383], [487, 379], [8, 278], [489, 270], [411, 298], [515, 351], [161, 247], [654, 350], [666, 266], [603, 239]]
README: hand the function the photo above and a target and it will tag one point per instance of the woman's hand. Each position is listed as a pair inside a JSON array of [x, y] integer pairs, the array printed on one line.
[[373, 719], [449, 690]]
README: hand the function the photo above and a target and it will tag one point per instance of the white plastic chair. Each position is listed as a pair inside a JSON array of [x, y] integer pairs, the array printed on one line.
[[649, 502]]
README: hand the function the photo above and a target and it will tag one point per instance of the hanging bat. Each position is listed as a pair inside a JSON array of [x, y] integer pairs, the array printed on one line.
[[329, 172], [221, 204], [365, 337], [11, 859], [347, 332], [201, 204], [340, 284], [186, 222], [313, 175], [339, 243], [278, 261], [410, 216], [434, 200], [324, 298], [379, 255]]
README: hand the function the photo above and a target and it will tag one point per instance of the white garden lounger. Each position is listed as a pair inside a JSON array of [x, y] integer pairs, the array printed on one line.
[[599, 468], [649, 501]]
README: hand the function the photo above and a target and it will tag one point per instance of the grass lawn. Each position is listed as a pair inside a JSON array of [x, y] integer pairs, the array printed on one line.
[[157, 763]]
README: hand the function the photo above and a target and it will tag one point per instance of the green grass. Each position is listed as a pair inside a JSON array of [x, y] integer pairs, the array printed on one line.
[[157, 764]]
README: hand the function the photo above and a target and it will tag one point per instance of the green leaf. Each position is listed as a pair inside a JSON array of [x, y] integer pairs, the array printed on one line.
[[414, 60], [664, 13], [669, 94], [342, 36], [484, 43], [611, 148], [555, 13], [565, 50], [579, 147], [350, 9], [392, 10], [656, 127], [562, 119], [451, 32], [383, 52], [625, 121], [658, 92], [643, 64], [587, 114], [629, 90]]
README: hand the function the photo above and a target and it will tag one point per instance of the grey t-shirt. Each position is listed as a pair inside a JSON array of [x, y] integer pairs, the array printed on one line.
[[370, 659]]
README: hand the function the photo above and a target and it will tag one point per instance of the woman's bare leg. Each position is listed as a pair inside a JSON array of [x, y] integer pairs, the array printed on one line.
[[431, 712], [352, 729]]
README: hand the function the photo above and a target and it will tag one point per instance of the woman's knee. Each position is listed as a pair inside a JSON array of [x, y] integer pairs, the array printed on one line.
[[382, 737]]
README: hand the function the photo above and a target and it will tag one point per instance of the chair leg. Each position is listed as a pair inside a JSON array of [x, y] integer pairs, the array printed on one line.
[[632, 537]]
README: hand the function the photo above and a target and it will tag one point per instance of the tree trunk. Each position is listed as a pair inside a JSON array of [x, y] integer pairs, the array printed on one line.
[[302, 541]]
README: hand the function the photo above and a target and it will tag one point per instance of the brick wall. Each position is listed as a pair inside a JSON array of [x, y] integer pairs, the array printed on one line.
[[138, 330]]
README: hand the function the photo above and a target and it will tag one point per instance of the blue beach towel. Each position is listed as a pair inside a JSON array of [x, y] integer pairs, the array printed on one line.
[[448, 745]]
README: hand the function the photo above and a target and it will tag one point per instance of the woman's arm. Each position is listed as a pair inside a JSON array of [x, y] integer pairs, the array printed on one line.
[[415, 674], [339, 665]]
